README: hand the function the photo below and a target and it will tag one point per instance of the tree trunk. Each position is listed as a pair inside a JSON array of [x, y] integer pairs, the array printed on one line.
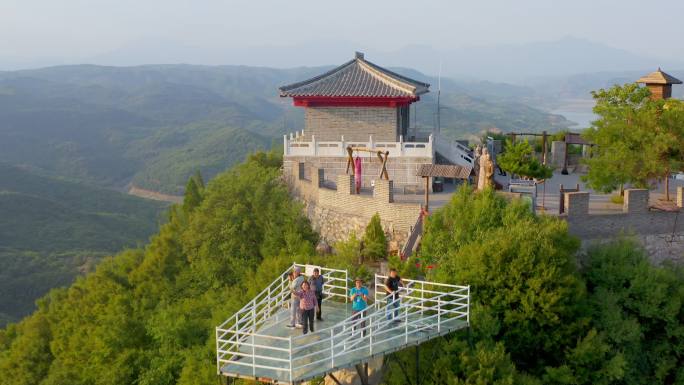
[[667, 186]]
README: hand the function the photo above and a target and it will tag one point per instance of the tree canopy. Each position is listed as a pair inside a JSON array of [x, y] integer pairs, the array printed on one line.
[[538, 318], [518, 158], [637, 139]]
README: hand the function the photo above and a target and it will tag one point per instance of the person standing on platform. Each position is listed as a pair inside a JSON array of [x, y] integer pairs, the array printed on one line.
[[307, 305], [317, 281], [392, 284], [295, 286], [359, 297]]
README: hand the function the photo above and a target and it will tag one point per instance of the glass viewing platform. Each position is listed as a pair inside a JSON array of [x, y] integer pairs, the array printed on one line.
[[255, 343]]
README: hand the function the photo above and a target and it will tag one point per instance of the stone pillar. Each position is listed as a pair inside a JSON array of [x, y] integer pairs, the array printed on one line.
[[576, 203], [345, 184], [636, 201], [585, 150], [298, 170], [383, 190], [317, 176], [680, 196], [557, 153]]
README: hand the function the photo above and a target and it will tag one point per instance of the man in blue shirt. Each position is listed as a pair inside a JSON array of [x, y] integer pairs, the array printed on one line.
[[359, 297]]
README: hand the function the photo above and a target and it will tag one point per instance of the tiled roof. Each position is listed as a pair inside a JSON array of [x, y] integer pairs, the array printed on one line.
[[659, 77], [357, 78], [444, 170]]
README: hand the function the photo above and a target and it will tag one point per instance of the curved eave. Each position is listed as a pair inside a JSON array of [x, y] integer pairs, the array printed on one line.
[[353, 101]]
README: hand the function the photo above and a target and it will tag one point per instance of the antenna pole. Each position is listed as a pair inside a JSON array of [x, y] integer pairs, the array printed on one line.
[[439, 92]]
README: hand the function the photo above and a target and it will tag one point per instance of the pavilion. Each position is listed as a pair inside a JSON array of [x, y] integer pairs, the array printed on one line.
[[362, 109]]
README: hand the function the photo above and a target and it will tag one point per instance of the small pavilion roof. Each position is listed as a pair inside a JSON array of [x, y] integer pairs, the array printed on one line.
[[659, 77], [357, 78]]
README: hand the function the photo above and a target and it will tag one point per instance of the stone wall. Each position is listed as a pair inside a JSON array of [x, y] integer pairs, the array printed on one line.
[[660, 232], [354, 123], [558, 149], [401, 170], [336, 213]]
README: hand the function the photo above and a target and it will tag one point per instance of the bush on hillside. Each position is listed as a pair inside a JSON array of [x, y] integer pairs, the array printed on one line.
[[374, 240]]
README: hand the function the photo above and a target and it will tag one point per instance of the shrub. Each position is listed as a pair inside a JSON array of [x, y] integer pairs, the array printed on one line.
[[374, 240]]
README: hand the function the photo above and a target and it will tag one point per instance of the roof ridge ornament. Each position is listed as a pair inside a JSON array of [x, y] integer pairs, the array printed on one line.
[[358, 55]]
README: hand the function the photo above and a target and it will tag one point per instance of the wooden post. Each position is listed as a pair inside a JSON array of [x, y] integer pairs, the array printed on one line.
[[544, 149], [427, 192], [350, 160], [383, 170]]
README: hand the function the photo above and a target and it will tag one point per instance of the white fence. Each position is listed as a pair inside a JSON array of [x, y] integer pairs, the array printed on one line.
[[454, 151], [295, 146], [425, 310], [240, 330]]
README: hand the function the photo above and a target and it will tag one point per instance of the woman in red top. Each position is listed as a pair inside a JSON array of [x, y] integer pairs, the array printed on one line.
[[308, 304]]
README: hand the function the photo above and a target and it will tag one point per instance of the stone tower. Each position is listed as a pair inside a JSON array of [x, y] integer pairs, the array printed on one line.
[[357, 105]]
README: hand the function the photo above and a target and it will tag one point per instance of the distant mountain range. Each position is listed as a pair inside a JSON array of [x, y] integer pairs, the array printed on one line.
[[513, 63], [579, 86]]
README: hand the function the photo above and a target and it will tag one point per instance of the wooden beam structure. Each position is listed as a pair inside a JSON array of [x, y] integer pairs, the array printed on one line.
[[383, 156]]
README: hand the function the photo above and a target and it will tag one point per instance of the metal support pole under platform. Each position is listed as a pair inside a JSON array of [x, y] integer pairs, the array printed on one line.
[[417, 364], [332, 377], [362, 370]]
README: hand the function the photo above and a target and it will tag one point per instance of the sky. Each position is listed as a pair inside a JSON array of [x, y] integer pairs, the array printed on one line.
[[55, 31]]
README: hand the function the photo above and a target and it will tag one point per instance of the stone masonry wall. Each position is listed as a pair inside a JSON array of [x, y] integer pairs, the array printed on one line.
[[354, 123], [661, 233], [402, 171], [335, 214]]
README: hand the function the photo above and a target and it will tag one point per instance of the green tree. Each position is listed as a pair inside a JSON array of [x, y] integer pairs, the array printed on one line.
[[526, 293], [374, 239], [519, 159], [193, 195], [637, 139], [638, 310]]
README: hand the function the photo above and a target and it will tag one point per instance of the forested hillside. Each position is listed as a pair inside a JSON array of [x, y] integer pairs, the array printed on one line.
[[146, 316], [52, 229], [155, 125]]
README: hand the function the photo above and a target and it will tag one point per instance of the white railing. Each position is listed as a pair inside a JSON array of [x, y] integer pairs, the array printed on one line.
[[240, 330], [422, 307], [454, 151], [295, 145]]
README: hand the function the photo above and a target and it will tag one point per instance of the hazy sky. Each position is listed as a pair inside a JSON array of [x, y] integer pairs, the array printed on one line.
[[79, 29]]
